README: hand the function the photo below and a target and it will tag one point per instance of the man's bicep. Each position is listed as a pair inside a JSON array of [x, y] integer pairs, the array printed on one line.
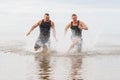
[[37, 24], [52, 25], [84, 26], [67, 26]]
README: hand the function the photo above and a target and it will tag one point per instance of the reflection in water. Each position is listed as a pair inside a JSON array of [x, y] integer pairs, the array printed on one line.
[[72, 69], [44, 66], [76, 68], [57, 67]]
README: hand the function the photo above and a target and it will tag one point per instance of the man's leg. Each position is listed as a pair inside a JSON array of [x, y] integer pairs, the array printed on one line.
[[37, 44], [46, 44], [79, 46], [75, 42], [45, 49], [37, 47], [49, 44]]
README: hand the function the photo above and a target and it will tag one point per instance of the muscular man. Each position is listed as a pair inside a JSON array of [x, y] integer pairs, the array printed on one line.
[[45, 26], [76, 27]]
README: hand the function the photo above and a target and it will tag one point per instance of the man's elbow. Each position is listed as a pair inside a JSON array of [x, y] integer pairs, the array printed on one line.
[[66, 29], [86, 28]]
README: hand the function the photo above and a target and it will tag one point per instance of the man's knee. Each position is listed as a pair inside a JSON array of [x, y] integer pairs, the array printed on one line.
[[76, 42]]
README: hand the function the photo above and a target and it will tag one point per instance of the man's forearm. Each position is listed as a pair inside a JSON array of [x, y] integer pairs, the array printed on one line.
[[54, 33], [65, 32], [32, 28], [85, 28]]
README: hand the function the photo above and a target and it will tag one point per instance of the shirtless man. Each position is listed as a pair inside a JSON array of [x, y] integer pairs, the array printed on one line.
[[45, 26], [76, 27]]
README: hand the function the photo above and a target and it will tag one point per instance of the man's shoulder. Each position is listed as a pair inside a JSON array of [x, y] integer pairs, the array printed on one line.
[[68, 24], [51, 21], [81, 21], [40, 21]]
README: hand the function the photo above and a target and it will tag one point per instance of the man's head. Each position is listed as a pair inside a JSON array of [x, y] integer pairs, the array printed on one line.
[[46, 16], [74, 17]]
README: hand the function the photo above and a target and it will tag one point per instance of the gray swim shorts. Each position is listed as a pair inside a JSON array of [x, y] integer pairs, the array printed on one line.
[[41, 41], [79, 45]]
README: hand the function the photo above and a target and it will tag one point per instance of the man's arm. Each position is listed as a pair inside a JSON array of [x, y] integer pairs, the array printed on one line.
[[53, 29], [83, 26], [66, 28], [33, 27]]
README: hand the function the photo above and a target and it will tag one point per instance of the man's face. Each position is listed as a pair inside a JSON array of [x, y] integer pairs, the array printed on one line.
[[46, 17], [74, 18]]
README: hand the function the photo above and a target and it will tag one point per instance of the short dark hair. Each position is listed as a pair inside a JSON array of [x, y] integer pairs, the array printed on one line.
[[74, 15], [47, 14]]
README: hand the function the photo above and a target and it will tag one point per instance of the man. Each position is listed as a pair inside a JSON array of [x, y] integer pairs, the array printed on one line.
[[76, 27], [45, 26]]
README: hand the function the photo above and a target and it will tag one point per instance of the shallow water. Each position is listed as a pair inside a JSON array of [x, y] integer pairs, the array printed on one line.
[[16, 66]]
